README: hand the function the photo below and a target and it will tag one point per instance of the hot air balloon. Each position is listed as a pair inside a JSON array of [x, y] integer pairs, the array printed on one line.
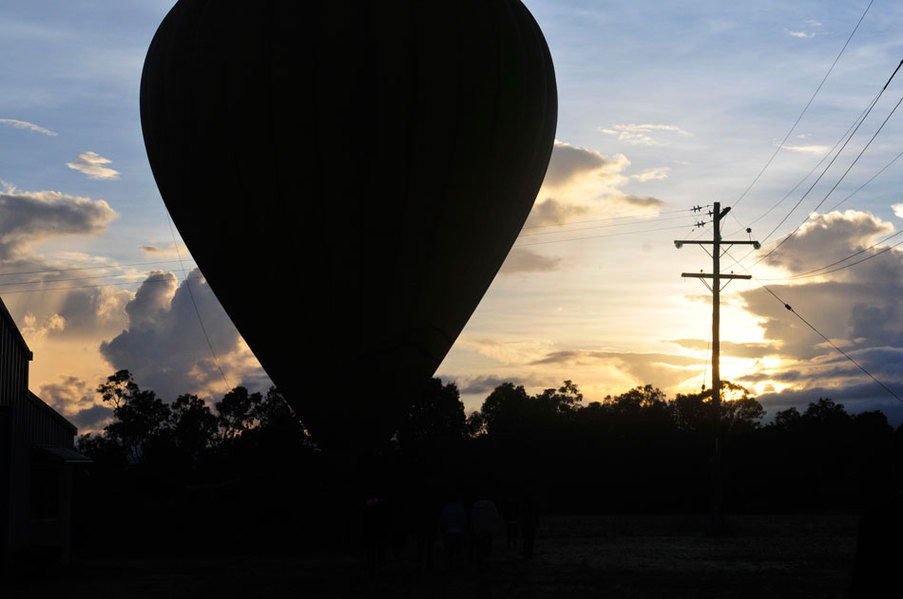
[[349, 176]]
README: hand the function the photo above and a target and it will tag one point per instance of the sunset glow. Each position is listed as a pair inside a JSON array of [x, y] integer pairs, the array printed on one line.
[[663, 107]]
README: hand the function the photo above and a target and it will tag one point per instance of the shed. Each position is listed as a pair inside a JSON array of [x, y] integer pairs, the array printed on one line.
[[37, 455]]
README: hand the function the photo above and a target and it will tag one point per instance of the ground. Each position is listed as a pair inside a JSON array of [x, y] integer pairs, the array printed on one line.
[[625, 556]]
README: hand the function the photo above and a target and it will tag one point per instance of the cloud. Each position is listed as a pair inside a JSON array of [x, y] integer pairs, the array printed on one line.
[[857, 307], [641, 134], [92, 165], [730, 348], [92, 420], [524, 260], [77, 400], [35, 333], [799, 34], [30, 217], [854, 398], [49, 306], [583, 183], [169, 250], [69, 395], [552, 212], [898, 210], [660, 369], [642, 202], [485, 384], [569, 162], [168, 350], [809, 149], [829, 237], [27, 126], [654, 174]]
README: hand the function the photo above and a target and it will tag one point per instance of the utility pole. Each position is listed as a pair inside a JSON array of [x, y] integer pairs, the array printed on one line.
[[717, 276]]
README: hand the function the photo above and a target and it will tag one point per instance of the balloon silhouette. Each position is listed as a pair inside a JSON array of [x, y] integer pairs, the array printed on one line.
[[349, 176]]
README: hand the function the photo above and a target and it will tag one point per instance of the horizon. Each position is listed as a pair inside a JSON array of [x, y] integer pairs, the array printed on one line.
[[662, 108]]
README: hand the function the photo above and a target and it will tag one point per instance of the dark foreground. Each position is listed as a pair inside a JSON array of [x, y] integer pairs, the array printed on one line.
[[576, 556]]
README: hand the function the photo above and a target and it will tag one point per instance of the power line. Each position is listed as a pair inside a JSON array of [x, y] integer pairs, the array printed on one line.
[[74, 287], [519, 245], [824, 269], [853, 163], [846, 139], [621, 224], [611, 218], [832, 344], [805, 108], [197, 311], [817, 332], [872, 178], [77, 268]]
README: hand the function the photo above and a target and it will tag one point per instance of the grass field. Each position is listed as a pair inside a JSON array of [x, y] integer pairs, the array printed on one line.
[[770, 556]]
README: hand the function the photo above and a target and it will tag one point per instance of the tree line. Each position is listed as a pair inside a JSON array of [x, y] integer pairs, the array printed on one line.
[[247, 474]]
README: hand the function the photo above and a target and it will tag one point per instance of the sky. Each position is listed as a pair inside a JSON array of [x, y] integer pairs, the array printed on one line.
[[770, 108]]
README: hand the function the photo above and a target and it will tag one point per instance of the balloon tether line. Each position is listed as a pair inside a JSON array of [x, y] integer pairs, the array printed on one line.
[[197, 311]]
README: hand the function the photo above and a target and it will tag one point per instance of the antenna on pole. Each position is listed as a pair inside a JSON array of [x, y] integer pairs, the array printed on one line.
[[716, 275]]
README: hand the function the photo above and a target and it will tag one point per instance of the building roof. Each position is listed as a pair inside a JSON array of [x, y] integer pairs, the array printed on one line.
[[11, 324], [59, 418], [63, 454]]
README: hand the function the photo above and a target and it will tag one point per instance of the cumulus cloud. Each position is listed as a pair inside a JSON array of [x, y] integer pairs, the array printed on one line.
[[642, 134], [898, 210], [93, 165], [829, 237], [27, 126], [68, 395], [168, 350], [30, 217], [857, 308], [77, 400], [570, 162], [35, 333], [552, 212], [583, 183], [524, 260]]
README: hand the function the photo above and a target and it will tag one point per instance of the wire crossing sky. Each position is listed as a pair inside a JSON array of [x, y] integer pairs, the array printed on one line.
[[664, 106]]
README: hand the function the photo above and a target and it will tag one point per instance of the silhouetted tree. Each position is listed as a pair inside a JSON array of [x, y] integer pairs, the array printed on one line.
[[141, 418], [563, 400], [434, 420], [193, 426], [826, 411], [787, 420], [237, 412], [641, 408], [504, 409], [273, 411]]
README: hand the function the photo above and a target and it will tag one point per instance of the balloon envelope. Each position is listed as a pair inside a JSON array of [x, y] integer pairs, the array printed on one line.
[[349, 176]]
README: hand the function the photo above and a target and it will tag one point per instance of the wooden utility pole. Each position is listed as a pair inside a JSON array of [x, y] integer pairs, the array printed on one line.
[[717, 276]]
